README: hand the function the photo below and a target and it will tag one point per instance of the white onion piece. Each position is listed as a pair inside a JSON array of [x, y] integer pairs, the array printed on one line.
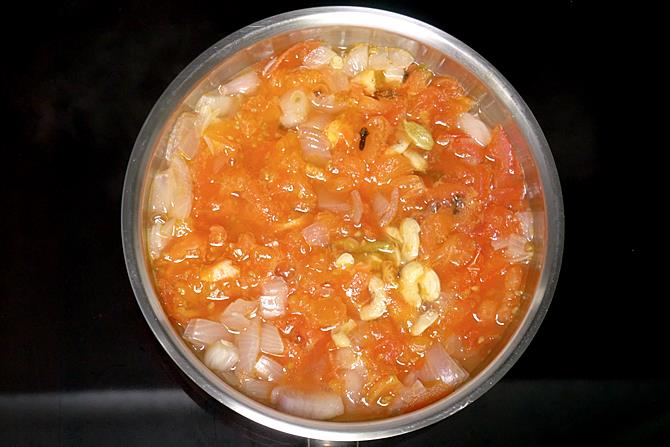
[[516, 248], [525, 219], [386, 209], [162, 191], [394, 75], [235, 322], [316, 235], [337, 202], [210, 106], [268, 67], [319, 122], [344, 358], [183, 138], [257, 389], [326, 103], [353, 385], [356, 60], [269, 369], [244, 84], [248, 344], [181, 199], [204, 332], [408, 395], [337, 81], [221, 356], [315, 146], [240, 306], [356, 207], [271, 341], [273, 297], [158, 239], [440, 366], [236, 316], [383, 58], [295, 108], [319, 57], [315, 405], [475, 128]]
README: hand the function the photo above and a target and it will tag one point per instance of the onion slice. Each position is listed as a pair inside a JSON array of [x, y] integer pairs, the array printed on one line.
[[315, 405], [271, 341], [257, 389], [356, 207], [243, 84], [315, 146], [319, 57], [204, 332], [184, 137], [269, 369], [274, 294], [316, 235], [475, 128], [386, 209], [440, 366], [221, 356], [248, 344]]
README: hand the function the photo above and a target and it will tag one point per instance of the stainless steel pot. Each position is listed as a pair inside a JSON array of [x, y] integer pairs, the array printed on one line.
[[499, 103]]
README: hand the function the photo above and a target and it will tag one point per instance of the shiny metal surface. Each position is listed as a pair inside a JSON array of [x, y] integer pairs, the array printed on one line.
[[499, 103]]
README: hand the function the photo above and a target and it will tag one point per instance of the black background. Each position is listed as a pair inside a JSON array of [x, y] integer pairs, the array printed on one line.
[[79, 365]]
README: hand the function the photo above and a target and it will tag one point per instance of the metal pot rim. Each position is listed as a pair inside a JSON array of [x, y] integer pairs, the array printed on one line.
[[186, 360]]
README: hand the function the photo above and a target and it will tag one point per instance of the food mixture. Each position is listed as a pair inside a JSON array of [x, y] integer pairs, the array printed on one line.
[[337, 234]]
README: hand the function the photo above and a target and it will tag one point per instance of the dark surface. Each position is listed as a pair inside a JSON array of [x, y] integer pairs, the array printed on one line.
[[79, 365]]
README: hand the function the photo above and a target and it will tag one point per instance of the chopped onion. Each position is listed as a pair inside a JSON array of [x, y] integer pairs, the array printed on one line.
[[221, 356], [236, 316], [181, 198], [271, 341], [383, 58], [257, 389], [327, 103], [475, 128], [315, 146], [235, 322], [269, 369], [204, 332], [295, 108], [408, 395], [158, 238], [242, 307], [440, 366], [319, 56], [525, 219], [318, 122], [394, 75], [248, 344], [386, 209], [344, 358], [356, 60], [211, 106], [246, 83], [315, 405], [316, 235], [517, 248], [356, 207], [162, 191], [273, 297], [336, 202], [184, 137], [353, 385], [337, 81]]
